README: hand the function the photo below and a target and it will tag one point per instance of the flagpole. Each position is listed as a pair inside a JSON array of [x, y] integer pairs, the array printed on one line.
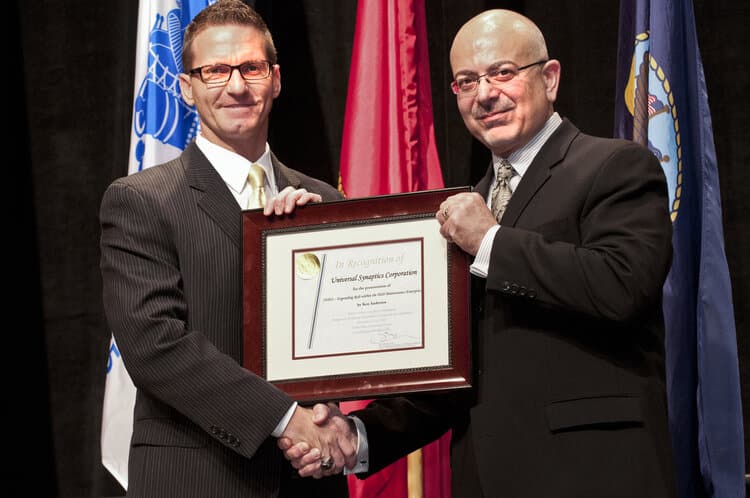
[[414, 471]]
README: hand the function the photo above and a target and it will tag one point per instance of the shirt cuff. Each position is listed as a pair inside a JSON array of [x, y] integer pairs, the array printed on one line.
[[279, 430], [481, 265], [363, 449]]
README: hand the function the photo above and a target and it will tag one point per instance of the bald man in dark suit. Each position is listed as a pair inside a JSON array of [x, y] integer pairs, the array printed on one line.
[[571, 239]]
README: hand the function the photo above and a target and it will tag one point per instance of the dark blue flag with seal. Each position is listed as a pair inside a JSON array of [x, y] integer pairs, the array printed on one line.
[[662, 103]]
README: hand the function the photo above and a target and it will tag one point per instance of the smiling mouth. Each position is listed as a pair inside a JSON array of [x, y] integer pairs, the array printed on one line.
[[493, 118]]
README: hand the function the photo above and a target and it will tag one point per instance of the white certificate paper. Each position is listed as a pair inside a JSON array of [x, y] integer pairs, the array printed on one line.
[[358, 299]]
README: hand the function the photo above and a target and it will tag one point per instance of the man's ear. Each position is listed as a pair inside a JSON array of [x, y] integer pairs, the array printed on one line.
[[276, 80], [551, 75], [186, 89]]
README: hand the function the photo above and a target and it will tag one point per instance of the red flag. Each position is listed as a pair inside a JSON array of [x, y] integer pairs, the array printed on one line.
[[388, 146]]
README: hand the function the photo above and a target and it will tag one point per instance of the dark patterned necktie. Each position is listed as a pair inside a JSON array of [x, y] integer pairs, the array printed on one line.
[[257, 179], [501, 191]]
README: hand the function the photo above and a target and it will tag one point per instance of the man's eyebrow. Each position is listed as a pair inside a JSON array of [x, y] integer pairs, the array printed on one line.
[[466, 72]]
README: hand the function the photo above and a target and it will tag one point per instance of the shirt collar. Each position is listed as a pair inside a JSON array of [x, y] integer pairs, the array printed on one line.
[[232, 167], [522, 158]]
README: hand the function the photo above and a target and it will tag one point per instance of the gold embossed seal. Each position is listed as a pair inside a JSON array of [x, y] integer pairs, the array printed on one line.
[[307, 266]]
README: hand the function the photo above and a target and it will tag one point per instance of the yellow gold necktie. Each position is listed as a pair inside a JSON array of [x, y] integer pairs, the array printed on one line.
[[256, 180]]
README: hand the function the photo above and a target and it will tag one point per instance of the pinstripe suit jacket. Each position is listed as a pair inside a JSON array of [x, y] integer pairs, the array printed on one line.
[[171, 270]]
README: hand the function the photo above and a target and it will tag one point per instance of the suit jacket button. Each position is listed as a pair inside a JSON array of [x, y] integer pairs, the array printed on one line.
[[506, 286], [531, 293], [514, 289]]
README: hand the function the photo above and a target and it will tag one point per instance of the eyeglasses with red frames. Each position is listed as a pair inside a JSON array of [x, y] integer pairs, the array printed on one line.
[[501, 73], [218, 74]]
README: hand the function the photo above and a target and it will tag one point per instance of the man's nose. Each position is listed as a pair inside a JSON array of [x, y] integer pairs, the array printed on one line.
[[485, 89], [236, 81]]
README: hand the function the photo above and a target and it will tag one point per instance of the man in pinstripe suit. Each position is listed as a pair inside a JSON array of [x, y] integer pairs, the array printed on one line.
[[171, 266]]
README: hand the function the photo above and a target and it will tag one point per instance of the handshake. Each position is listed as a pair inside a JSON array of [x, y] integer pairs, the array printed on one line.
[[320, 441]]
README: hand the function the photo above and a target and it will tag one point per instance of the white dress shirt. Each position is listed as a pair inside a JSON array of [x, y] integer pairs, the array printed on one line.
[[234, 169], [520, 160]]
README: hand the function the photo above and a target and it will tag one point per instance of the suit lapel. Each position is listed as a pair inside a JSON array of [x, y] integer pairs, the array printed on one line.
[[483, 187], [215, 199], [284, 176], [540, 169]]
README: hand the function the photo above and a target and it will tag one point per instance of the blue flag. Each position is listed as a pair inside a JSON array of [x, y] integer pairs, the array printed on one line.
[[162, 127], [661, 102]]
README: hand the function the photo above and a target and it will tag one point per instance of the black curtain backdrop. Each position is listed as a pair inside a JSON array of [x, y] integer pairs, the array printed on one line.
[[73, 99]]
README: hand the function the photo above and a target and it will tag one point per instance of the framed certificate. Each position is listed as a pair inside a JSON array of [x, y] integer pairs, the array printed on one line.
[[356, 298]]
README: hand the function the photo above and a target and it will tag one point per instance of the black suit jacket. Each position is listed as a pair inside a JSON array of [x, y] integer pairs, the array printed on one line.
[[171, 269], [569, 390]]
